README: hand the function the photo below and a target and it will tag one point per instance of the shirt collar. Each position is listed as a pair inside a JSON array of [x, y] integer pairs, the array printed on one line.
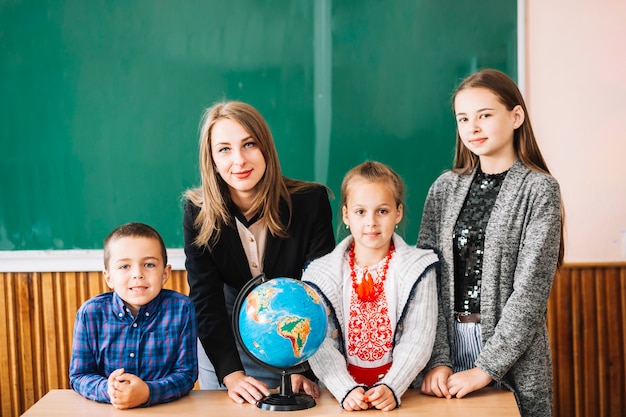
[[239, 216], [146, 312]]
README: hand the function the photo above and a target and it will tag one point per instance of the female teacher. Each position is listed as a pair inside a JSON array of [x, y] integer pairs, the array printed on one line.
[[245, 219]]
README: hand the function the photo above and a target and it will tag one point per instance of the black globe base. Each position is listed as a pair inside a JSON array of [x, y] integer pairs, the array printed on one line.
[[286, 399], [293, 402]]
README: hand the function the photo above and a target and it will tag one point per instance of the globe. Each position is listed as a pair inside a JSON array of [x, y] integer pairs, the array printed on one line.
[[280, 323]]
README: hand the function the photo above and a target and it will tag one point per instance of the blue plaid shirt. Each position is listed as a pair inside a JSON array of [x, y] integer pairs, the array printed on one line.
[[159, 345]]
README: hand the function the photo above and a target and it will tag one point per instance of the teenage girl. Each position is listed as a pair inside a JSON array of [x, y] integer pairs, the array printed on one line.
[[496, 220], [381, 294], [245, 219]]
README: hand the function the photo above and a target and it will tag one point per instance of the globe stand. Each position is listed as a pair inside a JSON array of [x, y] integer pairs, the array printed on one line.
[[285, 399]]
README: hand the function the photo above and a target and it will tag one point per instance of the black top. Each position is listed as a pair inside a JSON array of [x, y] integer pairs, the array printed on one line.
[[310, 236], [469, 240]]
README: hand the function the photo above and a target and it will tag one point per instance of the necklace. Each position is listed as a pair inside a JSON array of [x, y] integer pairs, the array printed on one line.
[[367, 289]]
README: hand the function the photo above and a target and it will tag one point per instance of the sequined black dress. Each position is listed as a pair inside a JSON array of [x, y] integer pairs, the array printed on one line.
[[469, 240]]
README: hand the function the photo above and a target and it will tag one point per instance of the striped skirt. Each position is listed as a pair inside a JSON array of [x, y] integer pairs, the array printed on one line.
[[468, 343]]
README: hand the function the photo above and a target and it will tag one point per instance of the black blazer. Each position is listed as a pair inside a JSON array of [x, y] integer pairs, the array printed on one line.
[[310, 236]]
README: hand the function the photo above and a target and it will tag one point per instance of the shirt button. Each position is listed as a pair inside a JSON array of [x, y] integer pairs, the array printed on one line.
[[254, 265], [132, 355], [251, 239], [134, 324], [147, 314], [121, 314]]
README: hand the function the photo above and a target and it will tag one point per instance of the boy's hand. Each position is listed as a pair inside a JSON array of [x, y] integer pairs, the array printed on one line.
[[381, 398], [127, 390], [300, 383], [356, 400]]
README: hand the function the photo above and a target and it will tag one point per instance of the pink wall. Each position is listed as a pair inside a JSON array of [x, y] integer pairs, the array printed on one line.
[[575, 73]]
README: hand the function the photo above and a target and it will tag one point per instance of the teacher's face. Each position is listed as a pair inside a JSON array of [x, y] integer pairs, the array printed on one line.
[[238, 159]]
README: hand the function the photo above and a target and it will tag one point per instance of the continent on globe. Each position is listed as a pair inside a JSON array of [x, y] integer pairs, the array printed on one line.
[[297, 330], [258, 302]]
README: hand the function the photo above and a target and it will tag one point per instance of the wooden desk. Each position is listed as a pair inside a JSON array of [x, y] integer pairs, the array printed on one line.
[[67, 403]]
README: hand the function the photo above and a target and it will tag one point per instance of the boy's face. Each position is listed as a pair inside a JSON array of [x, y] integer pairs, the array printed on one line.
[[135, 270]]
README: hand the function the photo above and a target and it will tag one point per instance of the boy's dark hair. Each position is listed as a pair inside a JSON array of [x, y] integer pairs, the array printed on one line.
[[133, 230]]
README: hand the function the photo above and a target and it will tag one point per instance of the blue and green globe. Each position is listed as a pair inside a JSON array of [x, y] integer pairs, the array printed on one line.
[[282, 322]]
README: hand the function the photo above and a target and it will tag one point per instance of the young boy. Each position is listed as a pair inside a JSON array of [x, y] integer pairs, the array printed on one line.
[[135, 346]]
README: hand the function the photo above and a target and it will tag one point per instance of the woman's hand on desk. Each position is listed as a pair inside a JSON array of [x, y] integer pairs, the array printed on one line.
[[242, 388], [300, 383]]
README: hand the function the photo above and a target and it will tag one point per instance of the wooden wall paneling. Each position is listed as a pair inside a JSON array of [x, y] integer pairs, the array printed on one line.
[[589, 353], [586, 321], [578, 336], [37, 337], [82, 292], [576, 387], [613, 380], [6, 389], [66, 302], [559, 316], [67, 308], [178, 282], [15, 369], [622, 395], [24, 339], [601, 341]]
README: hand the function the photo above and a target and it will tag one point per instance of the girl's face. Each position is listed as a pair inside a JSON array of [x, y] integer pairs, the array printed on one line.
[[238, 159], [485, 125], [372, 214]]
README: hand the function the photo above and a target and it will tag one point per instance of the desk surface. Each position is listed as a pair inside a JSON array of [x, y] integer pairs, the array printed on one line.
[[486, 402]]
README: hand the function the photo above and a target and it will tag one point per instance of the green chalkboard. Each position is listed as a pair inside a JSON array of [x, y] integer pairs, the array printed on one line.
[[101, 100]]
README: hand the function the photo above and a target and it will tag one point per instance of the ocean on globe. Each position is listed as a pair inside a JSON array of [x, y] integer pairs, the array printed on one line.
[[282, 322]]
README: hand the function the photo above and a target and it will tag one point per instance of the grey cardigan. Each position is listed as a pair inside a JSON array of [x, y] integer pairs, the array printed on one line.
[[521, 250], [416, 316]]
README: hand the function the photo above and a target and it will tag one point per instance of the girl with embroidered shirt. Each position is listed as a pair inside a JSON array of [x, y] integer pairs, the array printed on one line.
[[381, 295], [497, 220]]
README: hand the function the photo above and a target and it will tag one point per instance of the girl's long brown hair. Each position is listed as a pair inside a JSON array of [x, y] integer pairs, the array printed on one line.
[[524, 141]]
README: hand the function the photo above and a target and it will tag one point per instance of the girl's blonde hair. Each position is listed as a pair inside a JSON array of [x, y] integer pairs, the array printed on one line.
[[373, 171], [213, 196]]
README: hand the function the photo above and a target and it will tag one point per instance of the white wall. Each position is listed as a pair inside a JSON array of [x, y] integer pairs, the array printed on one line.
[[575, 79]]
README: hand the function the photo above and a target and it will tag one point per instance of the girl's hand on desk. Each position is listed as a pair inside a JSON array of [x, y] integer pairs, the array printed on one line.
[[242, 388], [465, 382], [381, 398], [300, 383], [355, 400], [436, 382]]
